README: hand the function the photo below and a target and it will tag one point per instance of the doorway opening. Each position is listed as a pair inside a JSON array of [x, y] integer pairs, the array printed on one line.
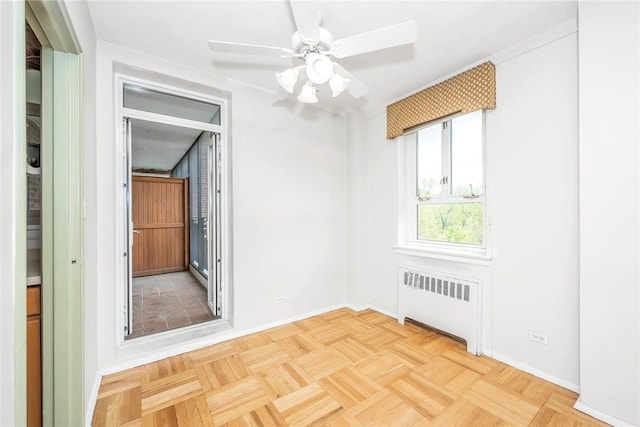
[[34, 234], [173, 201]]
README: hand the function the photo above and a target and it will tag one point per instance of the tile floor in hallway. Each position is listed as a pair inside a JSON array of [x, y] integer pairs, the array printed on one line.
[[168, 301]]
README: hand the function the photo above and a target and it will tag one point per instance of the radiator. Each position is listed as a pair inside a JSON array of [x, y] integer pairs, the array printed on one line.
[[443, 302]]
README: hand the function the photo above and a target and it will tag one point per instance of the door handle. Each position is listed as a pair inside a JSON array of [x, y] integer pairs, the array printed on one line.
[[136, 231]]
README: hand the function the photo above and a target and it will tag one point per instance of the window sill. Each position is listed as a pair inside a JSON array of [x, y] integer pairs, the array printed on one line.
[[471, 256]]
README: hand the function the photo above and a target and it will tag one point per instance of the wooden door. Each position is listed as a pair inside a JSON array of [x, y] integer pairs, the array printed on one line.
[[160, 225]]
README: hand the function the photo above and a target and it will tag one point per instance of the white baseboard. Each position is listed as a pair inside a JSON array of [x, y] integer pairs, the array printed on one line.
[[599, 415], [356, 307], [536, 372], [383, 311], [90, 405], [371, 307]]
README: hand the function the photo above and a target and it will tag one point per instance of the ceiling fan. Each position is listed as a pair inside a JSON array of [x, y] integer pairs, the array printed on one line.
[[315, 46]]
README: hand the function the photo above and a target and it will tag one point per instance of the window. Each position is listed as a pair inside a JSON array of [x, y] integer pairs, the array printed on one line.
[[152, 101], [444, 185], [195, 166]]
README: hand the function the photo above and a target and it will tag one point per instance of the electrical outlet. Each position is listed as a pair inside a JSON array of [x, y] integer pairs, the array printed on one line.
[[281, 300], [539, 338]]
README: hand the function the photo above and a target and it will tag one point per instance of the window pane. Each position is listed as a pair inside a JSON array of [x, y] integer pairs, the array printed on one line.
[[193, 207], [429, 162], [466, 154], [451, 222], [139, 98], [203, 148]]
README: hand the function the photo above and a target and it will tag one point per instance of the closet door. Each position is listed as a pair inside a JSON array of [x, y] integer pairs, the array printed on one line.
[[62, 228]]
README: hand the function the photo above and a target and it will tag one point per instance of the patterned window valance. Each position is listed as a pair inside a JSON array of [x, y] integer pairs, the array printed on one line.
[[472, 90]]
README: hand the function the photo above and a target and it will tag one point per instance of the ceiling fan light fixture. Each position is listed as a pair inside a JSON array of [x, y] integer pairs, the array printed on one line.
[[338, 84], [319, 68], [288, 78], [308, 94], [315, 45]]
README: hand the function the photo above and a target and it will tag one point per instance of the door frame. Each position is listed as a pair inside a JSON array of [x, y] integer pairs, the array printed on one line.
[[62, 259], [224, 286], [13, 223], [128, 230], [215, 276]]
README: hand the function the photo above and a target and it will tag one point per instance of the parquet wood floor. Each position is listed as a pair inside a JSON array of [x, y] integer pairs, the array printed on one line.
[[342, 368]]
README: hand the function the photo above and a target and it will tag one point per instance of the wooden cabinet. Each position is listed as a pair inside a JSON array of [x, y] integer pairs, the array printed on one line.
[[34, 358]]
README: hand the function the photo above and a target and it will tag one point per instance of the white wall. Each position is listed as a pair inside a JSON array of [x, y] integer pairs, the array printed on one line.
[[356, 134], [12, 222], [609, 68], [289, 221], [289, 197], [533, 177], [531, 283]]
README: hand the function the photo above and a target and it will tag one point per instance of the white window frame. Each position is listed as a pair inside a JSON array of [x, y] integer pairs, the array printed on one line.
[[408, 243]]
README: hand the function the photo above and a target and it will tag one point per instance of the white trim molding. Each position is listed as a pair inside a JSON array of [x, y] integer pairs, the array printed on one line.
[[90, 404], [534, 371], [478, 257], [580, 406]]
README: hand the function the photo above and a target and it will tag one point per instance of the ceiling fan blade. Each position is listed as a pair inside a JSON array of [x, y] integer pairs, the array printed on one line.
[[356, 88], [251, 49], [307, 22], [383, 38]]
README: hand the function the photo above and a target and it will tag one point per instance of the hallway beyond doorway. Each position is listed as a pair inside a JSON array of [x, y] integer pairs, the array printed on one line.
[[168, 301]]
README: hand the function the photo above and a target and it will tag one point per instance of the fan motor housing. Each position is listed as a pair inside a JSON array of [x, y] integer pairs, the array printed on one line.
[[324, 43]]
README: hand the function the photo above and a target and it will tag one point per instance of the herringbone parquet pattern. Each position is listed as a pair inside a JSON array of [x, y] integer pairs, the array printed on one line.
[[342, 368]]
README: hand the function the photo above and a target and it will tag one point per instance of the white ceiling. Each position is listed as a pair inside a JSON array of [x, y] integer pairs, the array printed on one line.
[[159, 146], [451, 35]]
